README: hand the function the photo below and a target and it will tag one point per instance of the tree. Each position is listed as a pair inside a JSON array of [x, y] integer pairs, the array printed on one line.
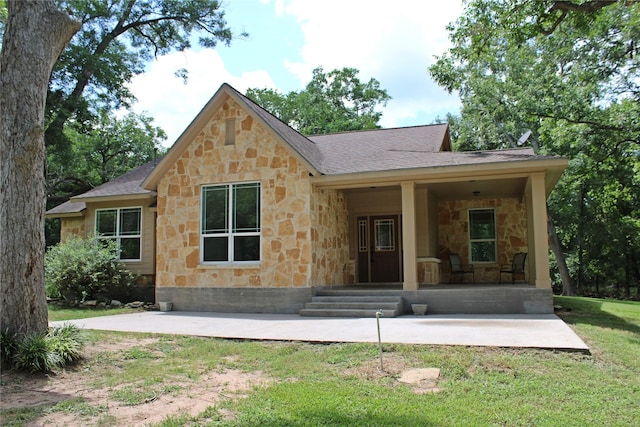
[[331, 102], [566, 74], [26, 60], [110, 148], [117, 39]]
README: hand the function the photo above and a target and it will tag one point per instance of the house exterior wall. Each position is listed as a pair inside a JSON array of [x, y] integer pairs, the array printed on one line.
[[146, 266], [286, 248], [330, 239], [72, 227], [511, 233]]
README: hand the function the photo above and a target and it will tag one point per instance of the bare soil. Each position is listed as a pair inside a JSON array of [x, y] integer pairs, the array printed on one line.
[[19, 390]]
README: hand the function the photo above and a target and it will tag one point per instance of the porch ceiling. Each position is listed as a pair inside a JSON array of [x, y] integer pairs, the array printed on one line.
[[512, 187]]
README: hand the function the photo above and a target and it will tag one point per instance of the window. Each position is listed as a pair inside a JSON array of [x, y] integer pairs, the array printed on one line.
[[230, 223], [122, 225], [384, 238], [482, 235]]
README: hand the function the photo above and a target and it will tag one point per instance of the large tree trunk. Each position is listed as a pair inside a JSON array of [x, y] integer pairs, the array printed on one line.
[[36, 32], [554, 242]]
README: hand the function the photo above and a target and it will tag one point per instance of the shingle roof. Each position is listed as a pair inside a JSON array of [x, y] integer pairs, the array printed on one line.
[[374, 150], [380, 149], [124, 185]]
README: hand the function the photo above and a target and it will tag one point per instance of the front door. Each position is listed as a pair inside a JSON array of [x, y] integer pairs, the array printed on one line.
[[378, 249]]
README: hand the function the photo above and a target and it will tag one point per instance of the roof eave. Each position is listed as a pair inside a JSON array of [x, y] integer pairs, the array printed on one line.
[[114, 198], [553, 168]]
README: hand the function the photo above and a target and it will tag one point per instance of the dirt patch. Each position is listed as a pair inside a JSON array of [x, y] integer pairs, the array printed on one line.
[[95, 406]]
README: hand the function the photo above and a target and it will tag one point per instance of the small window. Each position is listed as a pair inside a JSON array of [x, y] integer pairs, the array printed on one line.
[[230, 132], [122, 225], [363, 233], [230, 230], [482, 235], [384, 237]]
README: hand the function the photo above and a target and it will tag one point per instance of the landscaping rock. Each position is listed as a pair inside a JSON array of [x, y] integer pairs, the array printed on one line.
[[115, 303]]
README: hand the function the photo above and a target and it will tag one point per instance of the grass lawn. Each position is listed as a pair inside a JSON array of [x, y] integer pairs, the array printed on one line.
[[342, 385]]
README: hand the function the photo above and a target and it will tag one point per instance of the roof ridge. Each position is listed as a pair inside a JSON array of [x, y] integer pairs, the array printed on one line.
[[375, 129]]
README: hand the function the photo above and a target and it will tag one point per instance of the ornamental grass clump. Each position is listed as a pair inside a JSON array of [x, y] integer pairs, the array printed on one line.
[[42, 352]]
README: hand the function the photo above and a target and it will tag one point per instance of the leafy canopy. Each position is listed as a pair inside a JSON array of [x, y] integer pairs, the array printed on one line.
[[566, 74], [331, 102]]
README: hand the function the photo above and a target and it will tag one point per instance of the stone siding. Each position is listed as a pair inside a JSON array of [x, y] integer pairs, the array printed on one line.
[[257, 155], [330, 238], [72, 227], [453, 223]]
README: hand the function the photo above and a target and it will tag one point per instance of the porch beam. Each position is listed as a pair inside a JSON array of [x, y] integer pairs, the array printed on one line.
[[538, 207], [409, 245]]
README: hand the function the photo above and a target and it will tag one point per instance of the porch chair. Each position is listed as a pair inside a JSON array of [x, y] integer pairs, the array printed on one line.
[[516, 268], [460, 269]]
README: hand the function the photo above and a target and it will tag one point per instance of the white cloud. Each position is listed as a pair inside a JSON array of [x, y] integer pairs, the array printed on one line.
[[391, 42], [171, 102]]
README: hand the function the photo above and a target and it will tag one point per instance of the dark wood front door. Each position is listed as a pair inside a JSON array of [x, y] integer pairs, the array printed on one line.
[[378, 249]]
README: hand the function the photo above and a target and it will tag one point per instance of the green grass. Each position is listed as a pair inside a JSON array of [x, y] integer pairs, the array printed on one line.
[[59, 313], [324, 384]]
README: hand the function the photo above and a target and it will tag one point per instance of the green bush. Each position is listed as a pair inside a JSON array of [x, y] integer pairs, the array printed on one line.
[[43, 352], [81, 269]]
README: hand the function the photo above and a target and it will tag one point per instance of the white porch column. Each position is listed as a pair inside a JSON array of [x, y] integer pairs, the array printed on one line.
[[538, 209], [409, 248]]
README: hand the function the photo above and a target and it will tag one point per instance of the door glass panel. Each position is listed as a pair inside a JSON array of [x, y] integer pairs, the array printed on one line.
[[363, 241], [385, 239]]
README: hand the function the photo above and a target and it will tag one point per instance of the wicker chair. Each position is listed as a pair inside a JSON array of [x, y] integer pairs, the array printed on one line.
[[457, 268], [516, 268]]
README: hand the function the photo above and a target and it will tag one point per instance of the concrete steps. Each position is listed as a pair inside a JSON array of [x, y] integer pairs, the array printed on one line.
[[352, 306]]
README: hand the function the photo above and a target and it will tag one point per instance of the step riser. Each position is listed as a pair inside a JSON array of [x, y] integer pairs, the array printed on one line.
[[356, 305], [356, 298], [353, 306], [345, 313]]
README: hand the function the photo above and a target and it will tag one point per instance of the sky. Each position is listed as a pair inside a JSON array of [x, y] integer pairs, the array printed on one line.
[[393, 42]]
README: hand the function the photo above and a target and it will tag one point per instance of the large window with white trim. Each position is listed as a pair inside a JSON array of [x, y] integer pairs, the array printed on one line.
[[123, 226], [482, 235], [230, 223]]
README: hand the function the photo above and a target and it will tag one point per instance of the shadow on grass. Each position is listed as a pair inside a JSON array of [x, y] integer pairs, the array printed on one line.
[[579, 310]]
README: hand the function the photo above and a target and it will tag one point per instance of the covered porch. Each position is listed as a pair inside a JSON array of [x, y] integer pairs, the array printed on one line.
[[403, 226]]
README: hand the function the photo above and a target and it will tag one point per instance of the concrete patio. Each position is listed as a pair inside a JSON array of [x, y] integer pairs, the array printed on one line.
[[491, 330]]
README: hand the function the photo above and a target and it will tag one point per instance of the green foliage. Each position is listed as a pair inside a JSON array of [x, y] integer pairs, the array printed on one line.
[[42, 352], [34, 354], [570, 76], [84, 269], [67, 342], [115, 42], [336, 101]]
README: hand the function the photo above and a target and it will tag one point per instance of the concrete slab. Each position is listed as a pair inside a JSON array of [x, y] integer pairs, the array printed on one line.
[[507, 330]]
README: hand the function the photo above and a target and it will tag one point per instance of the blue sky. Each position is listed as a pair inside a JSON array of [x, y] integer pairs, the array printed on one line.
[[393, 42]]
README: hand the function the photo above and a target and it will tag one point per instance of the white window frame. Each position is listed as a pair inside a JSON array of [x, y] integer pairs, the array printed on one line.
[[229, 233], [494, 239], [118, 236]]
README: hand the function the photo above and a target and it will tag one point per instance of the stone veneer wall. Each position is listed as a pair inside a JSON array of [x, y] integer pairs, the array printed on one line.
[[72, 227], [330, 238], [453, 222], [285, 218]]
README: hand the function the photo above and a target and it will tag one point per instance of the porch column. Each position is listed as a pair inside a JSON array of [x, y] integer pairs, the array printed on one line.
[[409, 251], [538, 209]]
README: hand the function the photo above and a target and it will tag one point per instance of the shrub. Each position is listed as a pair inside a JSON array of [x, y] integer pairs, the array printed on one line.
[[81, 269]]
